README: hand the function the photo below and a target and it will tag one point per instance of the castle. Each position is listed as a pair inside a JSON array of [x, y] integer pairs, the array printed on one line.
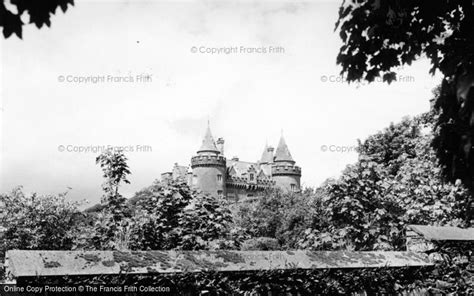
[[211, 173]]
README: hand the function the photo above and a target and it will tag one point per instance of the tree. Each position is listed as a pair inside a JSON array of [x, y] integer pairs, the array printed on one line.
[[388, 147], [160, 207], [396, 181], [380, 36], [172, 216], [110, 230], [425, 196], [279, 216], [114, 166], [361, 214], [39, 12]]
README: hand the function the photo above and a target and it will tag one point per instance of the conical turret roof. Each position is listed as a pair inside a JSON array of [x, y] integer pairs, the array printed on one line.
[[267, 155], [208, 144], [283, 153]]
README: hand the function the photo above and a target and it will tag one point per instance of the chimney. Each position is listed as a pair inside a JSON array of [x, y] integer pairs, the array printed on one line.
[[271, 150], [220, 145]]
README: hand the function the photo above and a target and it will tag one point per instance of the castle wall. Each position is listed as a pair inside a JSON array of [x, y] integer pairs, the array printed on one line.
[[238, 194], [288, 183], [207, 180], [287, 177]]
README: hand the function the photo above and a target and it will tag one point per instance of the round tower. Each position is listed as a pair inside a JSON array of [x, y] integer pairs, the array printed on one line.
[[209, 168], [285, 173]]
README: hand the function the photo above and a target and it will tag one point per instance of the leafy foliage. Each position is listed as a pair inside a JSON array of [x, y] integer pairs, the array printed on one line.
[[172, 216], [397, 181], [260, 244], [455, 134], [110, 230], [380, 36], [39, 13], [361, 215], [36, 222], [279, 215], [114, 166]]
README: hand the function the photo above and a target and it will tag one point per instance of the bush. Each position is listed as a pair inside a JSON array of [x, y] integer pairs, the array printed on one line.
[[172, 216], [260, 244], [397, 181], [35, 222], [281, 216]]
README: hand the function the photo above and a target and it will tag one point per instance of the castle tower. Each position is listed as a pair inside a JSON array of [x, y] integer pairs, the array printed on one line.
[[209, 168], [285, 173]]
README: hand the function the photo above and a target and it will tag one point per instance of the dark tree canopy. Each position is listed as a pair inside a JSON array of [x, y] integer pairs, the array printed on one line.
[[381, 36], [39, 14]]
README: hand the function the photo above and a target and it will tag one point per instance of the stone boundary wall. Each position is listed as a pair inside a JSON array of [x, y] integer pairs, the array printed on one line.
[[27, 263]]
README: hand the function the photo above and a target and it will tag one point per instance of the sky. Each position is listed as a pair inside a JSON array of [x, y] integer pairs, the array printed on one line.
[[149, 75]]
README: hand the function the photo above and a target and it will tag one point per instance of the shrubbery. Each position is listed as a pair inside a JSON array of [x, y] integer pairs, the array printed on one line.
[[172, 216], [397, 181], [281, 216], [35, 222], [260, 243]]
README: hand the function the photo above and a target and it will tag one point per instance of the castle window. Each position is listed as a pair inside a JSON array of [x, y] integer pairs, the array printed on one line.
[[195, 180], [293, 187], [219, 177], [220, 193], [251, 177]]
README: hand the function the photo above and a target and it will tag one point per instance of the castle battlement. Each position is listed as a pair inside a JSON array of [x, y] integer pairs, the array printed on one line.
[[243, 180], [208, 160], [279, 170]]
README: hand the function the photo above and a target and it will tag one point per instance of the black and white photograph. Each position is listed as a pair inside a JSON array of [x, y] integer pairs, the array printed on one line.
[[236, 147]]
